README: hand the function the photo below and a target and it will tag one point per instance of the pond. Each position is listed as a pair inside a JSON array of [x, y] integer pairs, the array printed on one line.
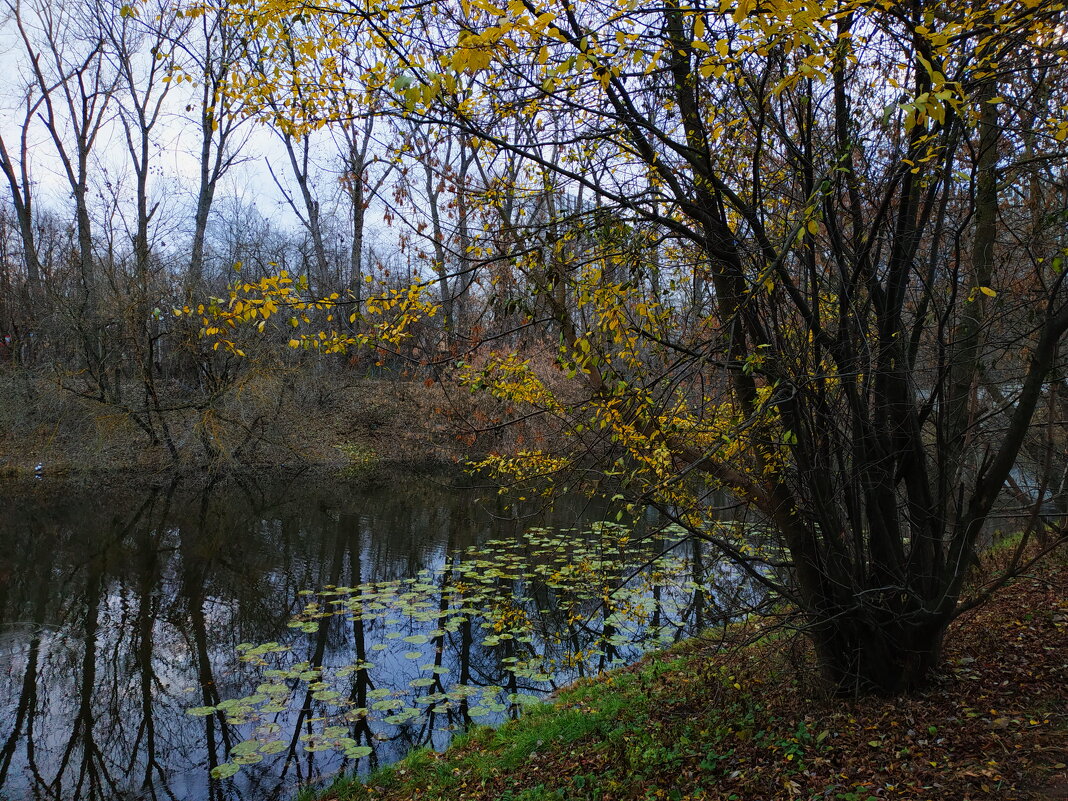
[[241, 638]]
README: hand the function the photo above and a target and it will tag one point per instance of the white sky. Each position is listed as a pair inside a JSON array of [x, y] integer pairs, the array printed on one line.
[[176, 167]]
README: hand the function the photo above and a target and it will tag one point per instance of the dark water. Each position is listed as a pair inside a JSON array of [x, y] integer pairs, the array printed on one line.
[[121, 608]]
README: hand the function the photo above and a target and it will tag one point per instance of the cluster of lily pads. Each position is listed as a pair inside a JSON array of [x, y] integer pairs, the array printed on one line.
[[489, 631]]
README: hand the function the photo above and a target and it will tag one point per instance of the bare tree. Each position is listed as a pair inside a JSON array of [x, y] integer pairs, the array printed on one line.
[[63, 50], [207, 52], [136, 51], [16, 169]]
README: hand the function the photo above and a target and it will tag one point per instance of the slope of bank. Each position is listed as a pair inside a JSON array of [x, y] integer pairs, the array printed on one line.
[[747, 722], [297, 416]]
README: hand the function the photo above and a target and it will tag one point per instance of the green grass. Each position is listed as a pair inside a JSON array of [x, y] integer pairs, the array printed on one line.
[[608, 721]]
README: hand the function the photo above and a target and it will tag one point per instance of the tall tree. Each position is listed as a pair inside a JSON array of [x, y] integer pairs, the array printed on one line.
[[206, 53], [15, 164], [823, 182], [137, 53], [63, 51]]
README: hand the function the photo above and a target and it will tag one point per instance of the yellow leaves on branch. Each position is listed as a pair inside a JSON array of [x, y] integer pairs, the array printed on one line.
[[979, 291], [300, 80], [487, 41], [524, 467], [508, 377], [387, 318]]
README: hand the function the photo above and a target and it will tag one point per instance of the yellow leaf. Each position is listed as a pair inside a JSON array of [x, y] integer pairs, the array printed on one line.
[[990, 293]]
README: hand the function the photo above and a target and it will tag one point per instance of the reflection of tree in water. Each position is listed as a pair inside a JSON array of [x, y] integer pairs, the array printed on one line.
[[486, 631], [118, 610]]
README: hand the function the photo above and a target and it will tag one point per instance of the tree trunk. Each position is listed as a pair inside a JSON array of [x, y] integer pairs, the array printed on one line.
[[860, 654], [205, 197]]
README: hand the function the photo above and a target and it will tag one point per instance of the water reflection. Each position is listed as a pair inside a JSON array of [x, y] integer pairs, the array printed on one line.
[[120, 609]]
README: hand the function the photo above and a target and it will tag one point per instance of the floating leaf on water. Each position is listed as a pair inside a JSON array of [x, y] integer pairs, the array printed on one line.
[[326, 695], [510, 577], [245, 747], [459, 691], [249, 759], [225, 770], [524, 699], [200, 711], [272, 747], [403, 716], [478, 711], [358, 752]]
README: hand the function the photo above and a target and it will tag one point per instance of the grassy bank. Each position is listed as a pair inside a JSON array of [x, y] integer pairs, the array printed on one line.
[[747, 722]]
